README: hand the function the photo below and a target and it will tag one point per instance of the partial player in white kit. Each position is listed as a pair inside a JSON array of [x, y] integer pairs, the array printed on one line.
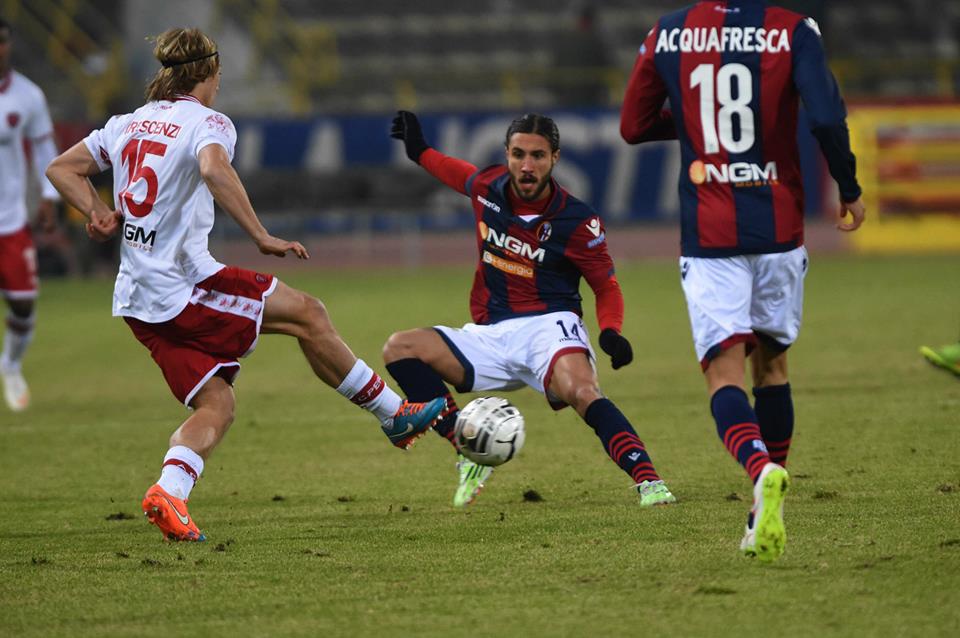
[[23, 116], [171, 159]]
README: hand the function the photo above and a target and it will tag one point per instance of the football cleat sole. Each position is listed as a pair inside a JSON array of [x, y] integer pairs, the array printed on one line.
[[770, 533]]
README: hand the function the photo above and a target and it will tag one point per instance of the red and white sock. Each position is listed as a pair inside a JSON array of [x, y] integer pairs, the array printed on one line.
[[364, 387], [16, 338], [181, 469]]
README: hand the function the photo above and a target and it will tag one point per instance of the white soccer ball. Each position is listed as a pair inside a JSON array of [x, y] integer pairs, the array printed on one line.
[[489, 431]]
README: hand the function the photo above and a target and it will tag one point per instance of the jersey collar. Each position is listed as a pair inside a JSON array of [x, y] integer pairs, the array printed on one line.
[[5, 81], [557, 200]]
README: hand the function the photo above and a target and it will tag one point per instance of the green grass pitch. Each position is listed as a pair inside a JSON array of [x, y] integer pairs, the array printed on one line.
[[317, 526]]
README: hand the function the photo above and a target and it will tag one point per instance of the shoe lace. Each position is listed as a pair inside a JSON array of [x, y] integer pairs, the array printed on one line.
[[409, 409], [645, 487]]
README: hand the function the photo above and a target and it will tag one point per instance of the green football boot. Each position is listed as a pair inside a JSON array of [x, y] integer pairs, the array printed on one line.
[[947, 357], [655, 493], [472, 477], [766, 536]]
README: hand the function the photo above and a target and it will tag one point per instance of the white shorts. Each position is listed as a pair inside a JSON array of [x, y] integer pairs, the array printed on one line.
[[516, 352], [737, 299]]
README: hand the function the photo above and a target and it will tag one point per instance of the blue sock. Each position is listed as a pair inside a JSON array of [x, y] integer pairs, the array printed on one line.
[[738, 429], [774, 407], [421, 383], [620, 440]]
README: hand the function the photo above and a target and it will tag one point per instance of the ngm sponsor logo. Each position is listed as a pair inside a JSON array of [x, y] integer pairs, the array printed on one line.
[[737, 173], [511, 244], [137, 238]]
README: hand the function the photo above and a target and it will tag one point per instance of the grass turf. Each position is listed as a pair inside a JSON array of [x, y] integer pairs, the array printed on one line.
[[318, 526]]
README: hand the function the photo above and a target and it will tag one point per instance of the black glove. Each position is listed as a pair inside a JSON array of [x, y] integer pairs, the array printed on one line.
[[406, 128], [617, 346]]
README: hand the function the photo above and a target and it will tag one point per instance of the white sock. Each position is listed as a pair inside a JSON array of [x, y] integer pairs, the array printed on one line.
[[16, 338], [181, 469], [364, 387]]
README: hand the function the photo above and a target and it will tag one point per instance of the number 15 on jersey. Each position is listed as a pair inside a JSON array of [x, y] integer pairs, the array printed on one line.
[[134, 154]]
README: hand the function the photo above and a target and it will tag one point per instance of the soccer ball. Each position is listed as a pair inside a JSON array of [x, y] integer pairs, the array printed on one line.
[[489, 431]]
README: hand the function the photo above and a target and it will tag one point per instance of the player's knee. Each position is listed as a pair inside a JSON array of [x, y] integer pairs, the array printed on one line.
[[216, 398], [313, 309], [775, 375], [770, 369], [587, 395], [227, 415], [400, 345], [580, 396], [317, 319], [226, 406]]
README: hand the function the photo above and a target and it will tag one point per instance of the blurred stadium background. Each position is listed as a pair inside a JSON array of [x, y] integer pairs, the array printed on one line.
[[312, 86]]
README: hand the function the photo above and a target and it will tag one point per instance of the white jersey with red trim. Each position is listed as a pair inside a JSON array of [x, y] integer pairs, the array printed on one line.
[[23, 115], [167, 208]]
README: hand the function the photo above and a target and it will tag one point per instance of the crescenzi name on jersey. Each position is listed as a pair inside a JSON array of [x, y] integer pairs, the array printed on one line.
[[736, 173], [723, 39], [153, 127]]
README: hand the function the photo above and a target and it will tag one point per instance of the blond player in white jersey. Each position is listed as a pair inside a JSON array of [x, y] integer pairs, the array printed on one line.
[[171, 160], [23, 116]]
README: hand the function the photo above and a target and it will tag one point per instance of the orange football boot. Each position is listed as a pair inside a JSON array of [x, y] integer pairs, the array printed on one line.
[[170, 515]]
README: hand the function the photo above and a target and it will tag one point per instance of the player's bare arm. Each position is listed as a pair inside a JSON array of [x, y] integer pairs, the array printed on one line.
[[225, 186], [70, 174], [857, 212]]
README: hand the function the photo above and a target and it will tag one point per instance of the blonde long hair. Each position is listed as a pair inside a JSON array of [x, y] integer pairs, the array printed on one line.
[[188, 56]]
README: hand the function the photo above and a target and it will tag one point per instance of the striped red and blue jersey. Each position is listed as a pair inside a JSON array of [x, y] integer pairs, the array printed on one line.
[[734, 73], [532, 267], [532, 255]]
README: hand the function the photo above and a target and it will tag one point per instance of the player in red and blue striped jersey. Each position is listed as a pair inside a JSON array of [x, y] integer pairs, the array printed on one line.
[[535, 243], [734, 73]]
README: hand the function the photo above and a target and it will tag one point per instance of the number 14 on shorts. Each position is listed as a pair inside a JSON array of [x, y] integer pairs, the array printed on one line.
[[573, 332]]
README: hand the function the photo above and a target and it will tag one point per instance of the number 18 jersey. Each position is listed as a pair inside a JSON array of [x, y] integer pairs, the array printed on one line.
[[167, 208], [734, 73]]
